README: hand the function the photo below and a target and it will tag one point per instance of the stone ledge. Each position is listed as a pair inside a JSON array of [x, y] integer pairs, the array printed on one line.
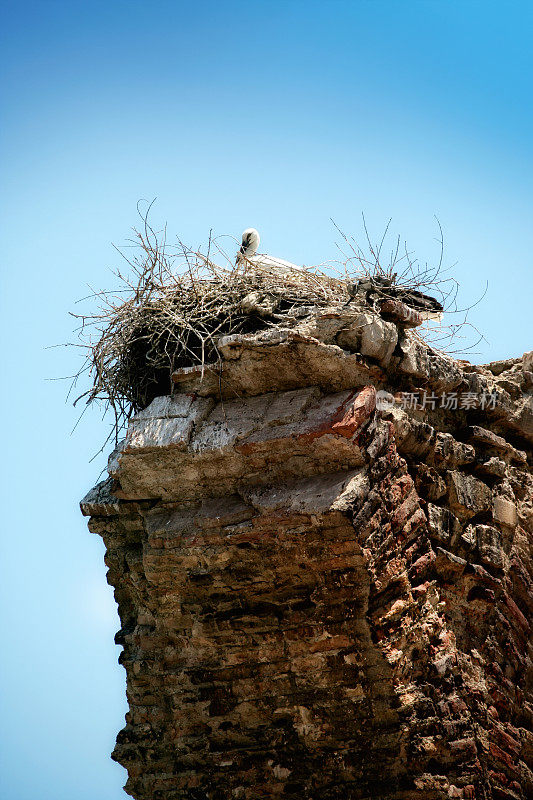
[[257, 440], [280, 361]]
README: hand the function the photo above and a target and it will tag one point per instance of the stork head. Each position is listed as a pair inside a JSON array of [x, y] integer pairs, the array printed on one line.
[[250, 242]]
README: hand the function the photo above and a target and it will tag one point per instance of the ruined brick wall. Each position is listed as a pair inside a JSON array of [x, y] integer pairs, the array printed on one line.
[[322, 597]]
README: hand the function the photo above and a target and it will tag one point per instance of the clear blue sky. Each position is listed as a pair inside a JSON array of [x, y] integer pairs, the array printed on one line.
[[274, 114]]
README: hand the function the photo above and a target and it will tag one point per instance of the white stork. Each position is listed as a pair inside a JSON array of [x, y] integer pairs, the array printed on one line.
[[248, 254]]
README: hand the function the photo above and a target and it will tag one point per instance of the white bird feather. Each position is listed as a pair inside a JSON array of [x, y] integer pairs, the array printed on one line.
[[248, 254]]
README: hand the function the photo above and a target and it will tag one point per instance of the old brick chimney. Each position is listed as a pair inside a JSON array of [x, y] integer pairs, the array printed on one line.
[[321, 555]]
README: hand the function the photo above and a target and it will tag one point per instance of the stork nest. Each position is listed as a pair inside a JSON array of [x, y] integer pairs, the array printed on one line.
[[173, 313], [178, 303]]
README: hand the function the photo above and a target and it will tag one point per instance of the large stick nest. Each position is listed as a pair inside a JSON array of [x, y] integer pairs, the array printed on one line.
[[177, 303], [176, 308]]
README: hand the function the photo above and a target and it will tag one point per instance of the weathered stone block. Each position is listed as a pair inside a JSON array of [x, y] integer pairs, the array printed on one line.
[[469, 538], [494, 466], [429, 484], [420, 362], [100, 501], [489, 542], [176, 405], [522, 419], [443, 525], [277, 436], [371, 336], [414, 438], [274, 361], [468, 496], [448, 565], [449, 453], [504, 512]]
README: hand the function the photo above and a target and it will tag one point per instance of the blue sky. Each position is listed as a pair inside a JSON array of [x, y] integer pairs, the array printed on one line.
[[279, 115]]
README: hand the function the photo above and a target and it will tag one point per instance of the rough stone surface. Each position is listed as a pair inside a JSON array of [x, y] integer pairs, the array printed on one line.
[[322, 597], [468, 496], [371, 336]]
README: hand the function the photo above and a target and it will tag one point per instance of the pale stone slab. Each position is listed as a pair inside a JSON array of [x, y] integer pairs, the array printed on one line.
[[504, 512], [176, 405]]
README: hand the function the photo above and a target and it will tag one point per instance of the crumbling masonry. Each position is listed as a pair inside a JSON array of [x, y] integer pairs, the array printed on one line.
[[321, 597]]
